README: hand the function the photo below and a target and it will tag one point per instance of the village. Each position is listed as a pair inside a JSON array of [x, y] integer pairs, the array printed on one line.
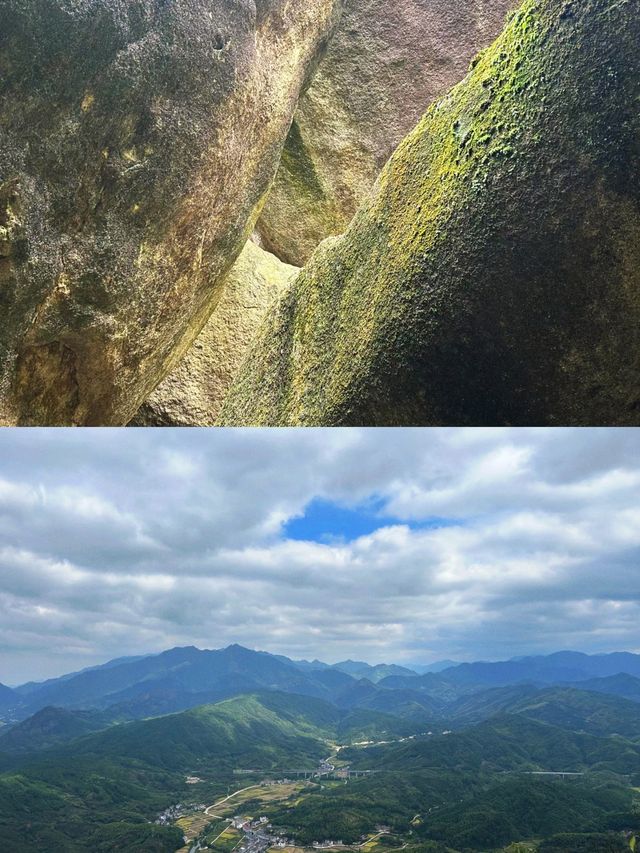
[[213, 828]]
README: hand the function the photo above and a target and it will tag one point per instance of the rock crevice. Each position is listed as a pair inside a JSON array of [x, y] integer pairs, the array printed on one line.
[[493, 276]]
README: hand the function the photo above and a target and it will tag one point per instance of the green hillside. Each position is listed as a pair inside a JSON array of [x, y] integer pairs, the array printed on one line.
[[239, 732], [476, 789], [348, 811], [580, 710], [108, 784], [104, 787], [592, 842], [346, 725], [524, 808], [75, 806], [459, 809], [49, 727], [506, 742], [455, 789], [573, 708]]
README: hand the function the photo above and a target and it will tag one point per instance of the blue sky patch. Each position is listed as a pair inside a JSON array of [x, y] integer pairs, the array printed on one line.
[[326, 521]]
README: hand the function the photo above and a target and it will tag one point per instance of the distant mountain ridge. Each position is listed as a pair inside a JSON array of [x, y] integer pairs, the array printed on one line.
[[7, 695], [33, 686], [360, 669], [185, 677], [622, 684], [48, 727], [355, 668], [223, 672], [559, 666], [436, 666]]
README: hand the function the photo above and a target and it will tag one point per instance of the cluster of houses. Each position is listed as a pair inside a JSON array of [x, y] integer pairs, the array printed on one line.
[[247, 825], [258, 837], [170, 815]]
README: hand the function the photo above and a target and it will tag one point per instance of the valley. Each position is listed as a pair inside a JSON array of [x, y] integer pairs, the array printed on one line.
[[474, 758]]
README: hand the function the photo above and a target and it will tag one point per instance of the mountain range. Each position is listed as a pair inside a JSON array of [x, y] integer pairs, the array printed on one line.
[[182, 678], [459, 760]]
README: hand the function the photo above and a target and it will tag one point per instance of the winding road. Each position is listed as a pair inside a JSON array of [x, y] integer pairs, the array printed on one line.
[[207, 811]]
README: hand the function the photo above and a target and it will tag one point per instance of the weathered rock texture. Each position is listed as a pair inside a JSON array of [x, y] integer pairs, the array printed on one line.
[[494, 276], [137, 141], [193, 393], [386, 64]]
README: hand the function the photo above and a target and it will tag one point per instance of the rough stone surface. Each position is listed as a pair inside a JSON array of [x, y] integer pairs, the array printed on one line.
[[192, 394], [386, 64], [137, 141], [494, 276]]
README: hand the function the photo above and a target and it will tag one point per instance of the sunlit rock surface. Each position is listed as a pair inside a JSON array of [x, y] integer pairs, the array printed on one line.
[[137, 141], [494, 276], [387, 62], [193, 393]]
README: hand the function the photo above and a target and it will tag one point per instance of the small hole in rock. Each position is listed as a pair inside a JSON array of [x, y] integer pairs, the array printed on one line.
[[219, 42]]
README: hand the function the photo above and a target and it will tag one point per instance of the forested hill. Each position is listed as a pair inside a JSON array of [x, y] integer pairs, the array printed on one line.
[[449, 763]]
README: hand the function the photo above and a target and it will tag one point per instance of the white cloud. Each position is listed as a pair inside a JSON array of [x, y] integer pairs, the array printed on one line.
[[125, 541]]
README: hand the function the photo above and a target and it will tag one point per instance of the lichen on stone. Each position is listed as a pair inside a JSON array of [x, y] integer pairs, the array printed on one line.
[[492, 278], [386, 63]]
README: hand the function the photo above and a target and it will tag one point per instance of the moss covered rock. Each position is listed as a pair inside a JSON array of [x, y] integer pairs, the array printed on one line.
[[193, 393], [385, 65], [494, 276], [137, 141]]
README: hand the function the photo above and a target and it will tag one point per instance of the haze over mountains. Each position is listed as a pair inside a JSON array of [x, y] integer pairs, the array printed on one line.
[[181, 678]]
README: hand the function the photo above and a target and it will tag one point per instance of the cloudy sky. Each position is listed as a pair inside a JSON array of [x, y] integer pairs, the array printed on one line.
[[383, 545]]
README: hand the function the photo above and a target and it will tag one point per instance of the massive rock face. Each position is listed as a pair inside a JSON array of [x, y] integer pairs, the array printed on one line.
[[387, 62], [137, 141], [494, 276], [193, 393]]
